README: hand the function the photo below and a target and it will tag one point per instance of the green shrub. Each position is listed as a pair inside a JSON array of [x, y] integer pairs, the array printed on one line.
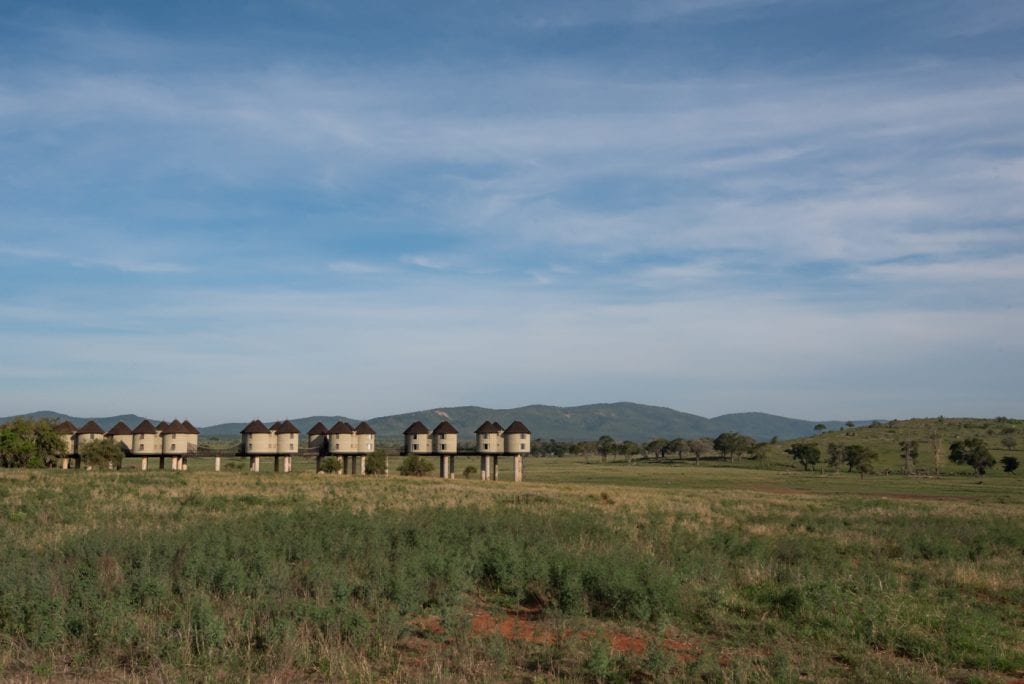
[[330, 464], [376, 464], [469, 472], [415, 465]]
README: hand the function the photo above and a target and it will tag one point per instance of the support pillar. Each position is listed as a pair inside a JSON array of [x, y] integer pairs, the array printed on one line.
[[444, 467], [451, 467], [517, 468], [387, 466], [144, 463], [483, 466], [161, 463], [183, 463], [254, 464], [64, 463], [362, 465], [216, 464], [277, 463], [344, 464], [494, 467]]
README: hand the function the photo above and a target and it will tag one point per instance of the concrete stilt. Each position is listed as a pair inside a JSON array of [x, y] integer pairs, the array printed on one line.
[[144, 463], [451, 467], [444, 467], [64, 462], [254, 464], [494, 467], [483, 466], [387, 466], [277, 463], [216, 464], [184, 463], [362, 464], [341, 462], [287, 464], [517, 468], [162, 463]]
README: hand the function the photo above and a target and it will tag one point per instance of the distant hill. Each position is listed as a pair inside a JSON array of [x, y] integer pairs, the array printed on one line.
[[130, 419], [622, 420]]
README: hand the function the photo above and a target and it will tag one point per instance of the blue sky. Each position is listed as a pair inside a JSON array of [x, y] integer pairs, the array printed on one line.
[[224, 210]]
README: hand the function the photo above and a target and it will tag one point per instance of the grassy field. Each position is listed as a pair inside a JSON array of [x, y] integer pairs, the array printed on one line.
[[616, 572]]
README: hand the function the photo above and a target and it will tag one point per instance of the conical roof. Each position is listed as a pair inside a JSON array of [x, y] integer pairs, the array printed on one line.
[[119, 429], [417, 428], [487, 428], [144, 428], [517, 428], [256, 427], [175, 428], [364, 429], [90, 428], [286, 427], [341, 428], [445, 428], [66, 428], [161, 425], [318, 429], [188, 428]]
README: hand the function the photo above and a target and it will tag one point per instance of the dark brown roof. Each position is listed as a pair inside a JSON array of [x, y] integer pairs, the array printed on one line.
[[66, 428], [175, 428], [497, 426], [286, 428], [188, 428], [445, 428], [417, 428], [341, 428], [318, 429], [517, 428], [364, 429], [161, 425], [256, 427], [144, 428], [275, 425], [90, 428], [487, 428], [119, 429]]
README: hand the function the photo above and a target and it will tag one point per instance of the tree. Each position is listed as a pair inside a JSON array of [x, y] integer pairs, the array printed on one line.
[[1009, 443], [677, 446], [656, 446], [415, 465], [605, 445], [835, 455], [808, 455], [102, 453], [732, 443], [25, 442], [908, 450], [759, 452], [1010, 463], [859, 458], [850, 424], [700, 446], [935, 439], [629, 449], [820, 427], [973, 452]]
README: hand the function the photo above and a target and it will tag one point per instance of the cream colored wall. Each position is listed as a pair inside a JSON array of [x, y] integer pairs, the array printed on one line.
[[490, 443], [192, 442], [446, 444], [146, 445], [365, 444], [172, 444], [517, 443], [343, 444], [288, 443], [414, 441], [69, 444], [123, 440], [260, 444]]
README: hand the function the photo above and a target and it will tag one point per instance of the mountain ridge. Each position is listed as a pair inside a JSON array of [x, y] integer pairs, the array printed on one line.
[[621, 420]]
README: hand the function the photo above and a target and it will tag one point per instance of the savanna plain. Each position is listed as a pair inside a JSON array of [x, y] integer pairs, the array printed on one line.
[[655, 570]]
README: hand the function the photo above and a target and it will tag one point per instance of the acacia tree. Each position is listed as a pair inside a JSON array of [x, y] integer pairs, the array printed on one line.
[[677, 446], [732, 443], [808, 455], [835, 455], [973, 452], [25, 442], [1010, 463], [700, 446], [656, 446], [605, 445], [859, 458], [908, 450]]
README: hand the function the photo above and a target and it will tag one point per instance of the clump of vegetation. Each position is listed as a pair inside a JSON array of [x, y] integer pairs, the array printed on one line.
[[415, 465], [376, 464], [330, 465], [28, 443], [102, 453], [469, 471], [973, 452]]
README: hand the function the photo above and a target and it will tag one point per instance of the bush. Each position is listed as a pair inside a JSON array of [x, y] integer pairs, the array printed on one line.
[[376, 464], [469, 472], [102, 453], [330, 464], [415, 465]]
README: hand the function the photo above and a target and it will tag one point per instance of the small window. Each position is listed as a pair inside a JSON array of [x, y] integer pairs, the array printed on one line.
[[172, 446], [486, 446], [415, 447], [522, 445]]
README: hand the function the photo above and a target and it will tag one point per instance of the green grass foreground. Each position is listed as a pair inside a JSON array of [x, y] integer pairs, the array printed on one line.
[[719, 573]]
